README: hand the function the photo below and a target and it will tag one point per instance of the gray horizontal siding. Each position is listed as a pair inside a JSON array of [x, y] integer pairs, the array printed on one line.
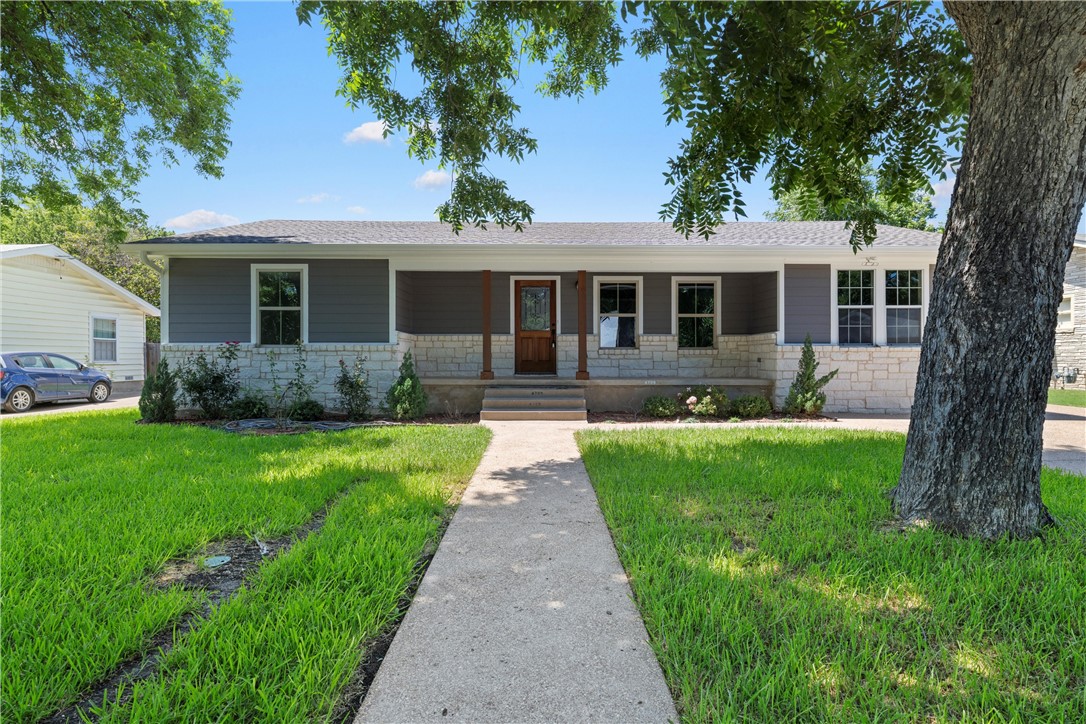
[[210, 299], [807, 302], [748, 302], [447, 302], [763, 307], [405, 287]]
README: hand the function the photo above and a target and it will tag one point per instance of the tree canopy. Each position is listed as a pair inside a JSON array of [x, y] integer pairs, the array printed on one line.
[[814, 91], [91, 93], [801, 204], [78, 231]]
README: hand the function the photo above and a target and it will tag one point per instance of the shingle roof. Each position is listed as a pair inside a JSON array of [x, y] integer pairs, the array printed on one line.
[[626, 234]]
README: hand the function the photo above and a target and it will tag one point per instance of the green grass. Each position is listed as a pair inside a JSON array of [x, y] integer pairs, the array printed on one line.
[[771, 591], [1074, 398], [94, 506]]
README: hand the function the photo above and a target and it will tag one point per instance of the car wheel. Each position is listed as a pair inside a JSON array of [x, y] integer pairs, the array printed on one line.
[[21, 399], [100, 392]]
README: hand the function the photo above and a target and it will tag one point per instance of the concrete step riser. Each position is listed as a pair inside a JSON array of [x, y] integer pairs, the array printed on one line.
[[534, 392], [579, 415], [518, 403]]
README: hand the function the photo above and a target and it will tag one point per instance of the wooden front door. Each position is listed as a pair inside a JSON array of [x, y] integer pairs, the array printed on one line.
[[536, 331]]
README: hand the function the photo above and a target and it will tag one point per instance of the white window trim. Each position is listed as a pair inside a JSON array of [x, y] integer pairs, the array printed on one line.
[[536, 278], [888, 307], [254, 300], [116, 340], [640, 301], [675, 282], [1070, 326], [878, 306]]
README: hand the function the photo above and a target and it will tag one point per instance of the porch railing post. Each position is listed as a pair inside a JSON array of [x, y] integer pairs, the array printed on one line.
[[582, 325], [487, 373]]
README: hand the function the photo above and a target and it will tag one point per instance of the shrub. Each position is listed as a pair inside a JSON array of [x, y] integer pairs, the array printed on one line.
[[212, 383], [406, 400], [250, 405], [158, 399], [752, 406], [660, 406], [353, 387], [705, 402], [805, 396], [306, 409], [295, 398]]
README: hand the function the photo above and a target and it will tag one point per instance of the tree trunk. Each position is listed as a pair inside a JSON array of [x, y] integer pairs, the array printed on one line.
[[973, 458]]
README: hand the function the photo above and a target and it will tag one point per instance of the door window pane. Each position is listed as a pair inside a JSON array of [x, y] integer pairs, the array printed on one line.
[[63, 363], [535, 309]]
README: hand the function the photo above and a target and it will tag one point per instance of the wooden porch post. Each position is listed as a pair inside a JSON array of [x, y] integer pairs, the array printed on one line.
[[582, 324], [487, 372]]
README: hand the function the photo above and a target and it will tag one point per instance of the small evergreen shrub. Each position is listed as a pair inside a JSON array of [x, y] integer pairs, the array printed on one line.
[[660, 406], [805, 396], [158, 399], [250, 405], [406, 400], [212, 383], [353, 387], [705, 402], [749, 406], [306, 409]]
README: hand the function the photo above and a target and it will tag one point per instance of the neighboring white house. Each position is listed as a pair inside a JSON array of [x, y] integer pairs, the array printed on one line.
[[1071, 324], [51, 301]]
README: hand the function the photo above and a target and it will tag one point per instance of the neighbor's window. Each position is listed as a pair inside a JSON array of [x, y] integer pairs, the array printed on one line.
[[618, 315], [1064, 320], [279, 306], [855, 306], [903, 306], [696, 305], [104, 339]]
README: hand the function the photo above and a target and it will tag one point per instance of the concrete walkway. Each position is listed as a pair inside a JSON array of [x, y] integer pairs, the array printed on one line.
[[525, 613]]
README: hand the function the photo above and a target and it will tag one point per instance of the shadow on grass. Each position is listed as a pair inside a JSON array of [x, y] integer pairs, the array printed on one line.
[[770, 590]]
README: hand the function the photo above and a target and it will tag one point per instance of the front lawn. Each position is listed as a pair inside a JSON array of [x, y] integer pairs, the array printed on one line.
[[94, 506], [772, 591], [1073, 398]]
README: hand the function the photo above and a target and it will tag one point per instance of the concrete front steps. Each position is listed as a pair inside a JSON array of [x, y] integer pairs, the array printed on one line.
[[534, 403]]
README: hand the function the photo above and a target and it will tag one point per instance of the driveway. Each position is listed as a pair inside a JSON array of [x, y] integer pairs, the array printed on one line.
[[118, 402]]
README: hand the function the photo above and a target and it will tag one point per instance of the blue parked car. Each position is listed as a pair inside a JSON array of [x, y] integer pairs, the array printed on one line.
[[27, 378]]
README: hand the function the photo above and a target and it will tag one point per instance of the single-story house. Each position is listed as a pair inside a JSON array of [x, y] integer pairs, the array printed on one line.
[[51, 301], [1069, 363], [619, 310]]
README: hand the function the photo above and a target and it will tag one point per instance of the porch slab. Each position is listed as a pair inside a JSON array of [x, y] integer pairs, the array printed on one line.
[[525, 613]]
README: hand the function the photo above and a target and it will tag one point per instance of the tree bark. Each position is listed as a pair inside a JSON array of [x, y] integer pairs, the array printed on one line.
[[973, 458]]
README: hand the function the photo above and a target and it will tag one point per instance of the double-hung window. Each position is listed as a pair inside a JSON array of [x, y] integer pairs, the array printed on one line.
[[1064, 317], [618, 313], [280, 304], [904, 300], [104, 339], [855, 306], [695, 312]]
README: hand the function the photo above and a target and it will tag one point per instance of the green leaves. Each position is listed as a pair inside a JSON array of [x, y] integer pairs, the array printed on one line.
[[814, 90], [467, 57], [92, 92]]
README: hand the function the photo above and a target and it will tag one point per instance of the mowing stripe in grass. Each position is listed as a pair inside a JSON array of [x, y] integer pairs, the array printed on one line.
[[772, 591]]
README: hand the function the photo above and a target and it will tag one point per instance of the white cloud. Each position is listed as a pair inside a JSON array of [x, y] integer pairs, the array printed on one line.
[[372, 132], [432, 180], [359, 210], [943, 189], [317, 198], [200, 219]]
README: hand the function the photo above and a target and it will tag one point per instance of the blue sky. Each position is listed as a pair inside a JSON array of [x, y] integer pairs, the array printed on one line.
[[299, 153]]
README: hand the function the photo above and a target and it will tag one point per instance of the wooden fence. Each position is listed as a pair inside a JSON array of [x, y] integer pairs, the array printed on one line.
[[152, 353]]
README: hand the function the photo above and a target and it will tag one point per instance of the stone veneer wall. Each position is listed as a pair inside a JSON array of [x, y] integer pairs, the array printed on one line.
[[1071, 343], [322, 360], [871, 379]]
